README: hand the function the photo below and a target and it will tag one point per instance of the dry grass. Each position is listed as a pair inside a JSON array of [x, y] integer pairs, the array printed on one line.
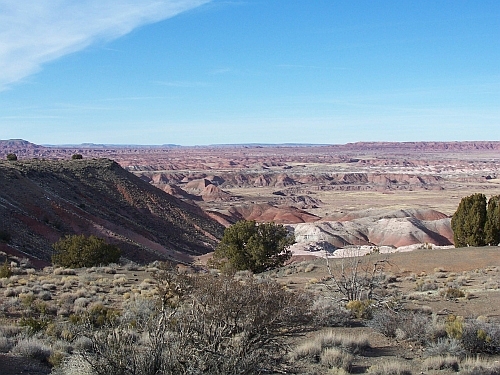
[[337, 358], [441, 363], [390, 367]]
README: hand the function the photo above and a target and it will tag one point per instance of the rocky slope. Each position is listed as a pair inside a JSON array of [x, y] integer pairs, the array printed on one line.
[[41, 200]]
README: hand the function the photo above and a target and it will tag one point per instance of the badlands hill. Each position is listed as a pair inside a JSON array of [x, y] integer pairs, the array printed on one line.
[[373, 193], [42, 200], [378, 227]]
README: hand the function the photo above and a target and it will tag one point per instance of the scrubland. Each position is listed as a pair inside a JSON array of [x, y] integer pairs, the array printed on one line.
[[425, 312]]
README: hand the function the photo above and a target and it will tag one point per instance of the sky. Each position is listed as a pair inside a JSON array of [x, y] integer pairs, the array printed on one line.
[[199, 72]]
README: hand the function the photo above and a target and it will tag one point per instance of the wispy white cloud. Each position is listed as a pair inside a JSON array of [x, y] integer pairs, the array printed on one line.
[[33, 32]]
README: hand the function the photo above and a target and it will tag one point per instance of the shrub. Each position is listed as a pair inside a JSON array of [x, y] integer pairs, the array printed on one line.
[[308, 349], [32, 348], [426, 285], [360, 309], [247, 245], [76, 156], [11, 157], [481, 337], [77, 251], [97, 316], [5, 270], [445, 347], [454, 326], [350, 343], [409, 325], [201, 324], [34, 324], [5, 344], [453, 293], [328, 313]]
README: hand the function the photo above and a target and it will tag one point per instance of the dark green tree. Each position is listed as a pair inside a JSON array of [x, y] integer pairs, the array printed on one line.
[[77, 156], [248, 245], [11, 157], [492, 225], [75, 251], [468, 221]]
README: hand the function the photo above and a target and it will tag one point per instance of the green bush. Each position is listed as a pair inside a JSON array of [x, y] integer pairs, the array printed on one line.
[[248, 245], [97, 316], [476, 223], [77, 156], [5, 270], [360, 309], [11, 157], [75, 251], [492, 225], [469, 220]]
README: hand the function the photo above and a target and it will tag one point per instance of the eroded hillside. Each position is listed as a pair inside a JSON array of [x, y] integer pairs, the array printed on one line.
[[42, 200]]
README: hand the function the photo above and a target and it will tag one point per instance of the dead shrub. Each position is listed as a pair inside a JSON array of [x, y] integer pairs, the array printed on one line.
[[404, 324], [202, 324]]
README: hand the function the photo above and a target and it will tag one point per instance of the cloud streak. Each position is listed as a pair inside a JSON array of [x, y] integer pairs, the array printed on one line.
[[34, 32]]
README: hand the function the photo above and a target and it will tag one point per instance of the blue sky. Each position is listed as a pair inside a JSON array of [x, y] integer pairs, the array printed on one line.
[[196, 72]]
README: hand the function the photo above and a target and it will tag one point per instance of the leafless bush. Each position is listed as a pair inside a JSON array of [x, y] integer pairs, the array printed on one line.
[[409, 325], [356, 277], [202, 324]]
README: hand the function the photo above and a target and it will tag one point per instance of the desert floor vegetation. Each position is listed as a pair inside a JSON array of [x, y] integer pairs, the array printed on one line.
[[132, 319]]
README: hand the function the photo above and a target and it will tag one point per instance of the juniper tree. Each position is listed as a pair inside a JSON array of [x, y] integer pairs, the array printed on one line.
[[469, 220], [248, 245], [492, 225]]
